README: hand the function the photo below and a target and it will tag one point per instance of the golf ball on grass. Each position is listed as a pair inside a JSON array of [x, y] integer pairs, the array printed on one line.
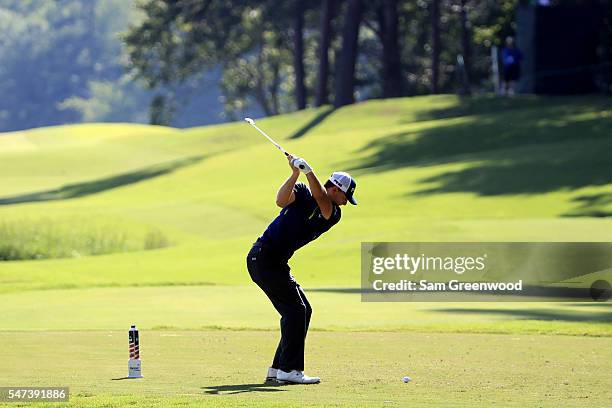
[[407, 379]]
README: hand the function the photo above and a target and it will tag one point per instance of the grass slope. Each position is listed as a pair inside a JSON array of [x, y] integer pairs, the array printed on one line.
[[431, 168], [428, 169]]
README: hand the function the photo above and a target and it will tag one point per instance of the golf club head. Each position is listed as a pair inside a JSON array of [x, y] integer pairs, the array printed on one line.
[[249, 121]]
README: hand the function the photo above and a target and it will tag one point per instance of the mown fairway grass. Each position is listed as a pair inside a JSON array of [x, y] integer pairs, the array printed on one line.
[[428, 169], [223, 368]]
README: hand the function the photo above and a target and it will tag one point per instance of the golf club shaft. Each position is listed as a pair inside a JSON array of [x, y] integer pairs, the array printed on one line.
[[279, 147]]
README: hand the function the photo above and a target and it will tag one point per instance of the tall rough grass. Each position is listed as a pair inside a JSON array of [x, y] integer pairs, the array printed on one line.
[[45, 238]]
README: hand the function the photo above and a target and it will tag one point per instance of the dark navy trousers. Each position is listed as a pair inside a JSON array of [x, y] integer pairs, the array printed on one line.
[[272, 274]]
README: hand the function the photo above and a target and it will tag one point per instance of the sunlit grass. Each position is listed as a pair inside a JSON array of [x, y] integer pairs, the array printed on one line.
[[433, 168]]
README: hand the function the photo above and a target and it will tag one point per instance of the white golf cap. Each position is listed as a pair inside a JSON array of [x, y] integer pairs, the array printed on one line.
[[346, 183]]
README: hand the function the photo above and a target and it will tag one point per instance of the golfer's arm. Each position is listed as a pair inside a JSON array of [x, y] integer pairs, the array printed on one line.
[[320, 195], [285, 194]]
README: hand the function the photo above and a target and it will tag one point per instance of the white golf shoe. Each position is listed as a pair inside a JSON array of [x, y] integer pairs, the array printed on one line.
[[271, 376], [295, 377]]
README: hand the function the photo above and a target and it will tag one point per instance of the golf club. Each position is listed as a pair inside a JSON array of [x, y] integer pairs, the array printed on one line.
[[252, 123], [279, 147]]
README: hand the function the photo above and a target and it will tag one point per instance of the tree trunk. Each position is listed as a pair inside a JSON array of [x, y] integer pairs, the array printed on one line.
[[435, 57], [298, 55], [391, 74], [327, 15], [345, 74], [274, 88], [260, 88], [467, 52]]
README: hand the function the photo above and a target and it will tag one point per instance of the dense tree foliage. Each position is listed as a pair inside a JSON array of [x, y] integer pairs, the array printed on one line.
[[62, 63], [106, 60], [287, 55]]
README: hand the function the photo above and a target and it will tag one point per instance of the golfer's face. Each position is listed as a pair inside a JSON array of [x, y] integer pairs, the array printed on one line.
[[339, 197]]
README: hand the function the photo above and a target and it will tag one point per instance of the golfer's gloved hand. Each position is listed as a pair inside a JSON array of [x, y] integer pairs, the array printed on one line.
[[301, 164]]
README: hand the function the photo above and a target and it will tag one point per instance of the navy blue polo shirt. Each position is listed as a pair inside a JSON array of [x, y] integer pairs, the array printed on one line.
[[298, 223]]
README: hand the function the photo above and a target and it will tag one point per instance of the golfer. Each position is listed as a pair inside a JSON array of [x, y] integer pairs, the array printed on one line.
[[306, 213]]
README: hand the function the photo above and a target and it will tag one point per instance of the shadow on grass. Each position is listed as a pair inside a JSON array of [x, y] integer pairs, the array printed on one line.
[[480, 136], [530, 171], [593, 305], [492, 104], [336, 290], [241, 388], [317, 120], [537, 148], [98, 186], [594, 205], [590, 317]]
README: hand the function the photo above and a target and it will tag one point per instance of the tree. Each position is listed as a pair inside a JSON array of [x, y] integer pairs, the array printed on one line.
[[435, 46], [466, 46], [326, 35], [298, 54], [160, 111], [52, 53], [391, 75], [121, 100], [345, 74], [257, 75], [180, 39]]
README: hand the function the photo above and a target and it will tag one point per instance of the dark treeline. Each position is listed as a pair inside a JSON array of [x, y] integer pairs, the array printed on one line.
[[171, 61], [285, 56], [288, 55]]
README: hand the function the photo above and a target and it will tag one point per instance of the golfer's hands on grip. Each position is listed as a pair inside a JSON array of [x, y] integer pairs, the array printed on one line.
[[290, 159], [298, 164], [301, 165]]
